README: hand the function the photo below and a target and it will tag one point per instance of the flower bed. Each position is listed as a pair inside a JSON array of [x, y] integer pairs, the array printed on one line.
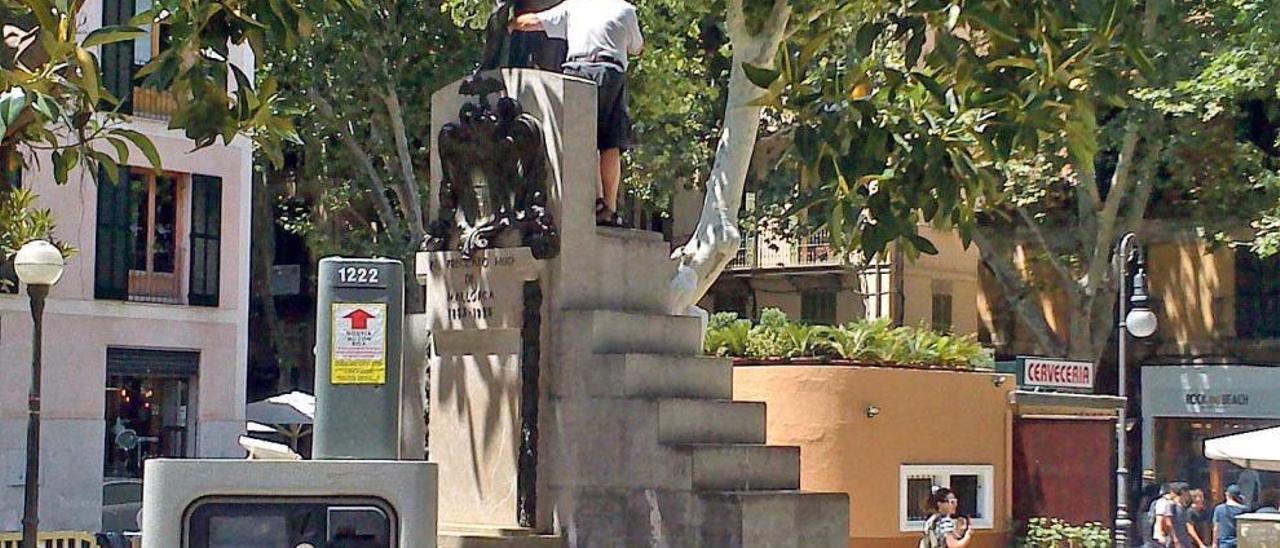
[[777, 340]]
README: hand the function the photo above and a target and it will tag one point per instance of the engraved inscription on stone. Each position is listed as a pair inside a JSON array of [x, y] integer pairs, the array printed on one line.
[[480, 292]]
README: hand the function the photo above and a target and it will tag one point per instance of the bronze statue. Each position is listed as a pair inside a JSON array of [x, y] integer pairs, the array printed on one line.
[[494, 165]]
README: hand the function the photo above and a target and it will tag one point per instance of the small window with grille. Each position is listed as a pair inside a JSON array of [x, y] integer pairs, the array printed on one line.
[[972, 485]]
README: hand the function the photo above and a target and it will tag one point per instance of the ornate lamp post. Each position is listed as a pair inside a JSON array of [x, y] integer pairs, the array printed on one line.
[[39, 265], [1140, 322]]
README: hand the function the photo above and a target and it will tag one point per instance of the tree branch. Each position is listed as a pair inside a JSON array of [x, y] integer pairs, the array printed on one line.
[[1038, 234], [1109, 217], [410, 178], [1016, 292], [364, 161]]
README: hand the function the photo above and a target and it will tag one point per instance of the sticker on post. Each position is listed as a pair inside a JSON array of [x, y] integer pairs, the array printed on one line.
[[359, 349]]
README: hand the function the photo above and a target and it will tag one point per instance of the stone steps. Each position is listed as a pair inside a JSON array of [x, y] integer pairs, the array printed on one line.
[[463, 535], [634, 269], [669, 376], [774, 519], [685, 421], [656, 376], [743, 467], [620, 332]]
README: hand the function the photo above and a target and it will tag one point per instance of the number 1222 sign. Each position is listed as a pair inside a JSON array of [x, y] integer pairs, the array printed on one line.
[[358, 354]]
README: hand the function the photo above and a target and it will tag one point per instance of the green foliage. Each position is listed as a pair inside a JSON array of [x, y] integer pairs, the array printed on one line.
[[889, 136], [1056, 533], [867, 341], [21, 222], [351, 191], [727, 335]]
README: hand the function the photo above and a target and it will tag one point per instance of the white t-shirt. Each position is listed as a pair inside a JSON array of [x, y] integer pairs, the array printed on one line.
[[1163, 507], [595, 27]]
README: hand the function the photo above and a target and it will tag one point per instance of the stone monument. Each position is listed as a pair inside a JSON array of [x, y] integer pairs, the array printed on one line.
[[567, 407]]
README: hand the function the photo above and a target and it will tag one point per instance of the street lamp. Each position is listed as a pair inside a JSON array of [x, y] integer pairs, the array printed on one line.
[[39, 265], [1140, 322]]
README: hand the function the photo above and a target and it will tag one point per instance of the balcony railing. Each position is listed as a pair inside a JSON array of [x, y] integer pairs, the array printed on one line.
[[152, 104], [765, 252]]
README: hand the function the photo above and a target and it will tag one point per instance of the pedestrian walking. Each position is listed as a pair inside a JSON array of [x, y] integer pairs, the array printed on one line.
[[1197, 518], [1224, 518], [945, 528]]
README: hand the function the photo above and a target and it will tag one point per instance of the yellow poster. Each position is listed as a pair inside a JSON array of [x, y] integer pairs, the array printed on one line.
[[358, 353]]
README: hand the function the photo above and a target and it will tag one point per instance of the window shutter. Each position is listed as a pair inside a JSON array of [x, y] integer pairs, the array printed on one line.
[[206, 240], [114, 241], [117, 58]]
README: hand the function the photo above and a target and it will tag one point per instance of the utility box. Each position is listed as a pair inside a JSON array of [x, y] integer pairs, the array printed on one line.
[[193, 503], [359, 330]]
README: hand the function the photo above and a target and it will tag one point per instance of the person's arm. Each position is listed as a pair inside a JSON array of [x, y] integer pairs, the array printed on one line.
[[528, 22], [1215, 532], [637, 38], [1195, 535], [553, 21], [962, 541], [1164, 524]]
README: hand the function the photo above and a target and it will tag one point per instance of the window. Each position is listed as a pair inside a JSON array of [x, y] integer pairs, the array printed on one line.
[[147, 225], [122, 60], [154, 228], [155, 40], [1257, 296], [972, 485], [818, 307], [148, 408], [942, 312]]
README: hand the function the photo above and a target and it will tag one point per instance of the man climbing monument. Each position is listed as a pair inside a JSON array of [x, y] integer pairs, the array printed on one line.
[[521, 49], [601, 34]]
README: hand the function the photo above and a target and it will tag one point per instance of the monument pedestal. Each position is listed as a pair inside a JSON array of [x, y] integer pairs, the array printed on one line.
[[638, 441]]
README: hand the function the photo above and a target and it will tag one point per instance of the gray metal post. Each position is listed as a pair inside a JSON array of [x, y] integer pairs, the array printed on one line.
[[359, 331], [1122, 469], [31, 484]]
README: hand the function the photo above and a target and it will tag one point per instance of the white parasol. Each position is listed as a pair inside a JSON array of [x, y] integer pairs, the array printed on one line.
[[1259, 449]]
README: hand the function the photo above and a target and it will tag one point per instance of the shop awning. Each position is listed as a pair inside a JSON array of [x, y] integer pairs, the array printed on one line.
[[1259, 450]]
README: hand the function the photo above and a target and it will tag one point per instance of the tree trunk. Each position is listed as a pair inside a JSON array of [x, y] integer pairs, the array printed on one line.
[[263, 253], [715, 241]]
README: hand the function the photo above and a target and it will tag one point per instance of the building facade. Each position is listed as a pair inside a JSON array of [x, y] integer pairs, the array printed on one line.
[[808, 280], [146, 333], [1210, 369]]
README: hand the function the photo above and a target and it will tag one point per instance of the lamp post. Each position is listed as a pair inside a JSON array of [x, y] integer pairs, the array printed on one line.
[[39, 265], [1140, 322]]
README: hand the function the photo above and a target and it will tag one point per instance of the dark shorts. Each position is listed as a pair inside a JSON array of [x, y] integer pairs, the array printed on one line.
[[613, 123]]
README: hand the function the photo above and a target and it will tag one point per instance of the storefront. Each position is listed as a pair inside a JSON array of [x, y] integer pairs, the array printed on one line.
[[1183, 405], [149, 408]]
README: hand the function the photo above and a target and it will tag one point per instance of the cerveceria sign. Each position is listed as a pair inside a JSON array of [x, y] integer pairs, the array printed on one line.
[[1059, 374]]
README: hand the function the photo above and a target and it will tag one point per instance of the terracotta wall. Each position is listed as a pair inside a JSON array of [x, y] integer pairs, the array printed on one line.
[[926, 417]]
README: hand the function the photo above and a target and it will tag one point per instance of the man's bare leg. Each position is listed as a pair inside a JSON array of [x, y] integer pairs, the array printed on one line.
[[610, 176]]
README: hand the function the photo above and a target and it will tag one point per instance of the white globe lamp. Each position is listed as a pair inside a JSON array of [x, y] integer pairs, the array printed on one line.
[[1140, 321], [38, 263]]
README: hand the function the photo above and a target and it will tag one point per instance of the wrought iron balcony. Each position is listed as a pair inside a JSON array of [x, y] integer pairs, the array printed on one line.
[[775, 252]]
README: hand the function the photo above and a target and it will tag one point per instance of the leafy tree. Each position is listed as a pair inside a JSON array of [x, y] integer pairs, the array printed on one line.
[[52, 96], [1045, 127], [363, 161]]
